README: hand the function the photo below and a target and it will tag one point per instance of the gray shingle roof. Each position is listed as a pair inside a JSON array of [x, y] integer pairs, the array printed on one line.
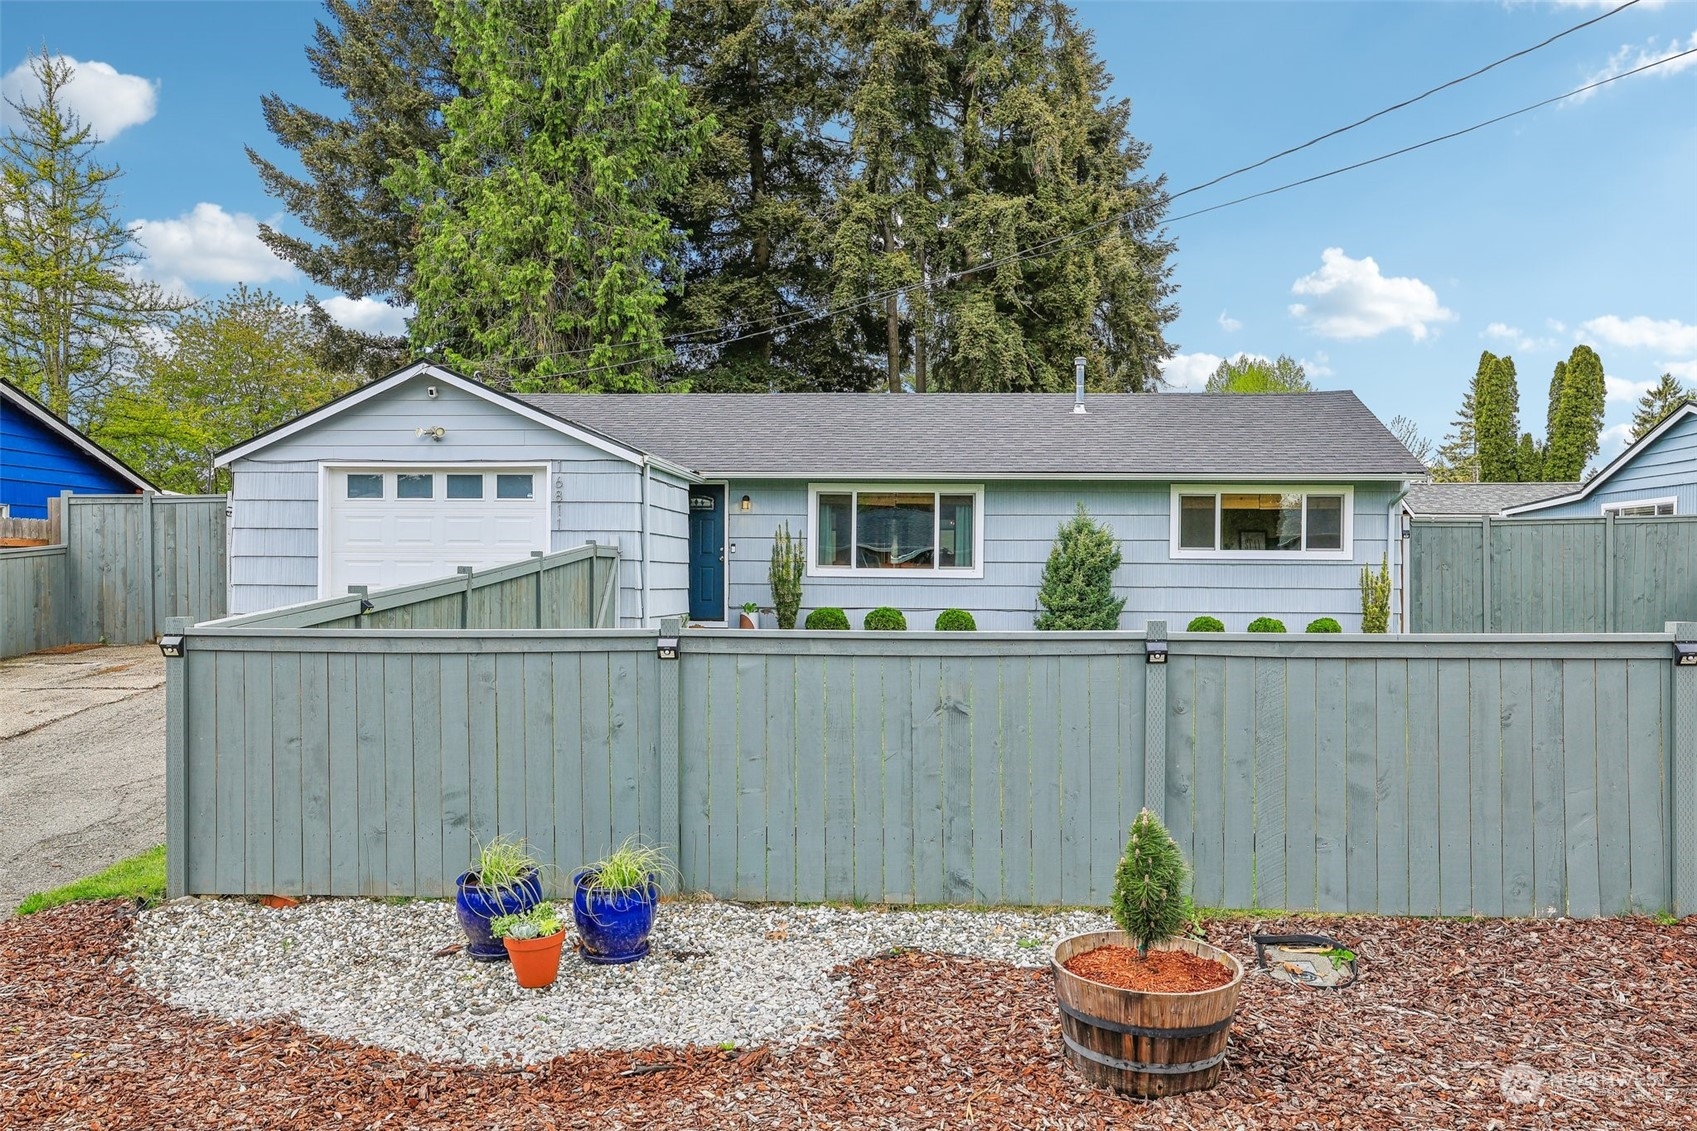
[[1000, 435], [1479, 498]]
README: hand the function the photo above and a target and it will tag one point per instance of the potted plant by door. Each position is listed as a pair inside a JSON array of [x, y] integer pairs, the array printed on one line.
[[1144, 1010], [533, 940], [506, 881], [750, 617], [613, 902]]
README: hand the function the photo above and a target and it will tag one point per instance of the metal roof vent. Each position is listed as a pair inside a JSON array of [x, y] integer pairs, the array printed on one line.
[[1078, 385]]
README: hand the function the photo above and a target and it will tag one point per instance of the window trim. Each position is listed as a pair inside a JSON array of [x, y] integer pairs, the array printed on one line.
[[1345, 553], [936, 490], [1616, 506]]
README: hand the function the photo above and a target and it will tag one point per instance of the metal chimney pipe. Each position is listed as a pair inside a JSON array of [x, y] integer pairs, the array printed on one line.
[[1078, 385]]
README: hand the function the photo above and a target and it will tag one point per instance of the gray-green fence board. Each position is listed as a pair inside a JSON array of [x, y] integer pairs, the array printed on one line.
[[1551, 575], [1485, 775]]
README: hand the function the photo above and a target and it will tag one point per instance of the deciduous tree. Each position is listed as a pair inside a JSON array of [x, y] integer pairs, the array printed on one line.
[[1246, 374]]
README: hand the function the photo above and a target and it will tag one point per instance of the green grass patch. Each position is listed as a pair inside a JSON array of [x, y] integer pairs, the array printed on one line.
[[140, 877]]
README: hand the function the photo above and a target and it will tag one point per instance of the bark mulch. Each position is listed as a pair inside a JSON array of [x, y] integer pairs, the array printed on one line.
[[1591, 1021]]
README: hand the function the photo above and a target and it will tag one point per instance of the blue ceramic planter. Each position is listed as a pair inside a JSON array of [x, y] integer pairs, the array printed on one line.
[[613, 928], [477, 905]]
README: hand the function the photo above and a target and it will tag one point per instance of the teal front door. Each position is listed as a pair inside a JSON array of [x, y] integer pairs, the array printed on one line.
[[707, 553]]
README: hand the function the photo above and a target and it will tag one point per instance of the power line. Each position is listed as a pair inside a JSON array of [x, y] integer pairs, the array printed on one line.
[[1037, 249]]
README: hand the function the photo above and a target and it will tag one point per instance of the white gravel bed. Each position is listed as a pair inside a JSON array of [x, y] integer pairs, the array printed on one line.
[[717, 972]]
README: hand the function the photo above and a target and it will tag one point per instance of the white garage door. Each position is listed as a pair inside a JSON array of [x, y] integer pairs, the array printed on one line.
[[394, 526]]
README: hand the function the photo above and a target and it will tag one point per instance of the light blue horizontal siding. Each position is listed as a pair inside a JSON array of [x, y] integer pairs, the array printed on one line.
[[1020, 522], [668, 547], [1665, 469]]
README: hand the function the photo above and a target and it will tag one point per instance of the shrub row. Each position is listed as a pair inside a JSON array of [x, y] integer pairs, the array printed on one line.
[[1261, 624], [886, 619]]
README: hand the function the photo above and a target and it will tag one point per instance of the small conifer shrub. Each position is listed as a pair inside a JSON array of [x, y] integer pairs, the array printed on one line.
[[827, 618], [1205, 623], [956, 620], [1077, 590], [885, 619], [1150, 902], [1376, 598], [1324, 624], [1266, 624]]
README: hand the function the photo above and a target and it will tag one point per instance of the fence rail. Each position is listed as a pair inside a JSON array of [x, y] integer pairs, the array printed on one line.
[[126, 563], [1495, 775], [1603, 574], [574, 588]]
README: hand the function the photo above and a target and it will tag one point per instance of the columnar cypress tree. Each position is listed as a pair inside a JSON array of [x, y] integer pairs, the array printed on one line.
[[1657, 402], [542, 242], [1496, 418], [1576, 414], [1077, 589]]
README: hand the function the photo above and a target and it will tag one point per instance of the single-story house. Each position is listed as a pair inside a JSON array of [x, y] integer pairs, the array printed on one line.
[[1655, 475], [1235, 506], [1475, 500], [41, 457]]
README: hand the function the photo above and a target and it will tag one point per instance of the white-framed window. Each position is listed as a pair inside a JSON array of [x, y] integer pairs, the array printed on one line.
[[925, 529], [1642, 508], [1263, 522]]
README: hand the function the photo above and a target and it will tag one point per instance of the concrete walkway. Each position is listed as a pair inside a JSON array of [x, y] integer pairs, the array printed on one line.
[[82, 764]]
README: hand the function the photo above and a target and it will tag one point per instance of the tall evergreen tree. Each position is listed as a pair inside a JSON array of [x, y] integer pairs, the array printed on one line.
[[544, 255], [1457, 460], [1496, 418], [396, 73], [1577, 393], [71, 308], [1529, 460], [1657, 403], [757, 209]]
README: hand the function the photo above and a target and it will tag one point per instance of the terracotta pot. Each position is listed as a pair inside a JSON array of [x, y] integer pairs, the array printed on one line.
[[1144, 1044], [747, 619], [536, 962]]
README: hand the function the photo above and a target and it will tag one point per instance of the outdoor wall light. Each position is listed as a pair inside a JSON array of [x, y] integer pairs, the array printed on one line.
[[1155, 651], [365, 606], [171, 647], [747, 504], [435, 433], [1685, 653], [667, 647]]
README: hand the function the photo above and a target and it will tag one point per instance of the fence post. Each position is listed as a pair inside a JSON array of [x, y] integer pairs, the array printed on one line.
[[465, 598], [671, 765], [536, 557], [176, 765], [1486, 620], [591, 614], [1682, 763], [151, 630], [1609, 572], [1155, 726], [360, 591]]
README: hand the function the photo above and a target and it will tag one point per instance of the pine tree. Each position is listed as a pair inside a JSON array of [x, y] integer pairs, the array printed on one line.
[[71, 308], [544, 254], [1457, 460], [756, 213], [1077, 588], [1576, 414], [395, 73], [1496, 418], [1150, 903], [1657, 403], [1246, 374]]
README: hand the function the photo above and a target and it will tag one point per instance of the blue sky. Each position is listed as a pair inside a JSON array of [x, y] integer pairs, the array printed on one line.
[[1574, 223]]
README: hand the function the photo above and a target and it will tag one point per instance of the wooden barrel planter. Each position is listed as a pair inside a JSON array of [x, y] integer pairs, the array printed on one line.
[[1144, 1044]]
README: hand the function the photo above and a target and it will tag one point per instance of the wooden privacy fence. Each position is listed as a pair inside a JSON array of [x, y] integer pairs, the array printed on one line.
[[1467, 775], [126, 563], [1602, 574], [576, 588]]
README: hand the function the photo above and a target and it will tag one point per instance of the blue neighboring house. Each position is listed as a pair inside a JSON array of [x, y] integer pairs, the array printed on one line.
[[1657, 475], [1235, 506], [41, 456]]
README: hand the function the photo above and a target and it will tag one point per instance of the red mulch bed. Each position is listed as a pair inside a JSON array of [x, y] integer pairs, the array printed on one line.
[[1161, 971], [1600, 1010]]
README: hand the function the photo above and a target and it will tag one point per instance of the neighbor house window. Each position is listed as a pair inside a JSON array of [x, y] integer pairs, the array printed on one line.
[[362, 486], [1645, 508], [414, 486], [934, 530], [1261, 521]]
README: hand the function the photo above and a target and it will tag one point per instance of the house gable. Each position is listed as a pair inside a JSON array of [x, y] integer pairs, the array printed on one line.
[[1660, 466], [42, 456]]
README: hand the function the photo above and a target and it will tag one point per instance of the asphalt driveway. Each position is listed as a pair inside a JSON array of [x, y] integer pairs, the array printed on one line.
[[82, 764]]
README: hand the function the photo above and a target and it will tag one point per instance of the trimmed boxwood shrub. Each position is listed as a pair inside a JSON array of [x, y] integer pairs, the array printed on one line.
[[956, 620], [1324, 624], [885, 619], [1205, 623], [827, 618], [1266, 624]]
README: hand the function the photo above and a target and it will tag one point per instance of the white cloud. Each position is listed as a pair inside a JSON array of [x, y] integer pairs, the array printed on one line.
[[1321, 366], [1618, 390], [1556, 325], [1685, 371], [367, 315], [1668, 336], [1190, 370], [1349, 298], [1512, 335], [107, 100], [1610, 441], [211, 245], [1629, 57], [1229, 324]]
